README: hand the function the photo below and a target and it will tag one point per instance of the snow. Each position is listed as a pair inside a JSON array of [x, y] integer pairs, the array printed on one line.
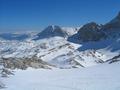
[[56, 51], [101, 77], [70, 30], [64, 56], [69, 61]]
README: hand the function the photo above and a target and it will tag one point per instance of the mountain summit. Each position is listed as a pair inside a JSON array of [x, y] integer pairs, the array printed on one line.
[[89, 32], [94, 32], [51, 31]]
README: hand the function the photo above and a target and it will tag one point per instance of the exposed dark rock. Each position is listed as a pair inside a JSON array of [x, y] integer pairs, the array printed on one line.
[[89, 32], [114, 59]]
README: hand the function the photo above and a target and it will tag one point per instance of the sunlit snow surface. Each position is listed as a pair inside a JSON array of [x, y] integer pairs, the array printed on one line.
[[101, 77]]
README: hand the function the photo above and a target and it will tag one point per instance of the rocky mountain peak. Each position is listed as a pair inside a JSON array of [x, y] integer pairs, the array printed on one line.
[[52, 28], [51, 31], [89, 32], [90, 26]]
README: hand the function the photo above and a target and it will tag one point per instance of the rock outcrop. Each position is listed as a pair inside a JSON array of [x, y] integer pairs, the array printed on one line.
[[24, 63]]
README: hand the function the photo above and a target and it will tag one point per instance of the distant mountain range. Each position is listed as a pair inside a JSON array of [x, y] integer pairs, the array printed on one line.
[[64, 47], [88, 32]]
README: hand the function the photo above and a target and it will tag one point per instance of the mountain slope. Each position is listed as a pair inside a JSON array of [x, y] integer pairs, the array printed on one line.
[[55, 51], [101, 77]]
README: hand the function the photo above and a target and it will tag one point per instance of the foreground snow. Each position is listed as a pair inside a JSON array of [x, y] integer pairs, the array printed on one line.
[[101, 77]]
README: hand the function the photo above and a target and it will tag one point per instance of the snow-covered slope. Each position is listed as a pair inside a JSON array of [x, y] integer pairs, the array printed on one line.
[[56, 51], [1, 84], [101, 77]]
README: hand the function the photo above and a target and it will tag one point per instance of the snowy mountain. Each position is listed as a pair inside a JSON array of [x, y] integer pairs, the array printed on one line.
[[62, 48], [51, 45], [94, 32], [89, 32], [51, 31]]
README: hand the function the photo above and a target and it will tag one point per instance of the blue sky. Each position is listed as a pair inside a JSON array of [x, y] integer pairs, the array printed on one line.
[[16, 15]]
